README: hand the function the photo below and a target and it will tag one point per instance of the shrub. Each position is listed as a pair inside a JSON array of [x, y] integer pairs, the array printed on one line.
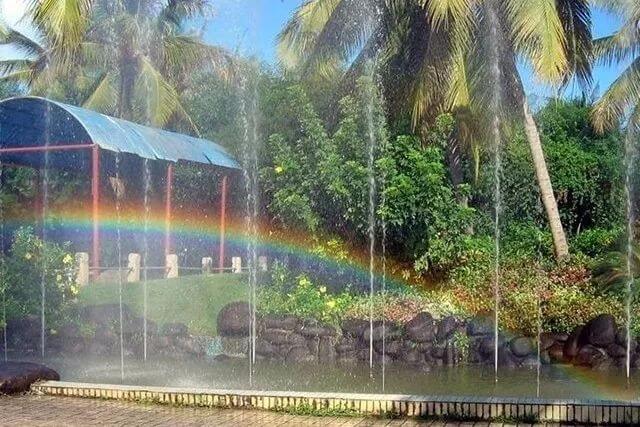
[[29, 263]]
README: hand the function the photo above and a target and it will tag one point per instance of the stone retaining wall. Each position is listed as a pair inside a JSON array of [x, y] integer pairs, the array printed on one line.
[[458, 408]]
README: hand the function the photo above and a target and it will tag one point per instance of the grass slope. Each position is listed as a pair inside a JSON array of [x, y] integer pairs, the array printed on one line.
[[192, 300]]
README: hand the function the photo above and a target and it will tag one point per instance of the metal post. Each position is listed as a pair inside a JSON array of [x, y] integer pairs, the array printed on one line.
[[95, 207], [167, 213], [223, 213]]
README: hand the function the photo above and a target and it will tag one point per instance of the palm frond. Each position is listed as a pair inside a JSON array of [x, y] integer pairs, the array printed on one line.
[[160, 98], [622, 95], [102, 95], [25, 45], [299, 36], [63, 22], [575, 16], [538, 34]]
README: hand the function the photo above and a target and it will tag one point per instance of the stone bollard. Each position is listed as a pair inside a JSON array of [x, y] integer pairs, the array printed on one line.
[[207, 265], [262, 263], [236, 264], [133, 266], [172, 266], [82, 263]]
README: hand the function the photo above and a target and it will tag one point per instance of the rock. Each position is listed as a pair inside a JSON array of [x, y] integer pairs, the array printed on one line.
[[287, 323], [571, 346], [326, 350], [233, 320], [547, 339], [545, 359], [437, 352], [392, 348], [556, 353], [446, 328], [506, 359], [413, 357], [174, 329], [616, 350], [276, 336], [621, 339], [599, 331], [521, 347], [590, 355], [378, 332], [299, 354], [313, 344], [480, 326], [345, 345], [487, 346], [530, 361], [296, 339], [17, 377], [422, 328], [69, 330], [355, 327]]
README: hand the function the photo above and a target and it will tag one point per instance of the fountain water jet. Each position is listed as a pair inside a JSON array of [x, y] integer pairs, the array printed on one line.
[[2, 249], [119, 254], [496, 101], [630, 157], [45, 207], [249, 114], [145, 251]]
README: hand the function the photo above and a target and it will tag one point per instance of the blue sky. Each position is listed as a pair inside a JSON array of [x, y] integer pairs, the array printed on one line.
[[250, 27]]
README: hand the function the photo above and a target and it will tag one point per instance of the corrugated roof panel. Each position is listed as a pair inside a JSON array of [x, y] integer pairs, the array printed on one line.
[[109, 133]]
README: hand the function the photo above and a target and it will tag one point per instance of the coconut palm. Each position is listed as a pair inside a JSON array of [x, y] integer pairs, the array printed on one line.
[[126, 58], [621, 101], [433, 57]]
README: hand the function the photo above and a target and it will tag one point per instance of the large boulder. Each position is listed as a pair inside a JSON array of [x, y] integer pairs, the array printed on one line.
[[234, 320], [591, 356], [285, 322], [422, 328], [355, 327], [571, 345], [17, 377], [521, 347], [446, 328], [599, 331], [480, 326], [299, 354]]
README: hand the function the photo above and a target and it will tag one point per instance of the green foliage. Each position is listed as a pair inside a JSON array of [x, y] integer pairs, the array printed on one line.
[[597, 241], [30, 263], [585, 170], [317, 181], [300, 297]]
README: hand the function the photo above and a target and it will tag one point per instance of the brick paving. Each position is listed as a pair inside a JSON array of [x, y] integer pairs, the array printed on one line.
[[32, 410]]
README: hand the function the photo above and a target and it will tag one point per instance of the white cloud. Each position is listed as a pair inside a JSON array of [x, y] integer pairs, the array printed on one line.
[[12, 12]]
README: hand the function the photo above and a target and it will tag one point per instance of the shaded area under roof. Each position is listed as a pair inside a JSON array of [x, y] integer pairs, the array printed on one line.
[[33, 121]]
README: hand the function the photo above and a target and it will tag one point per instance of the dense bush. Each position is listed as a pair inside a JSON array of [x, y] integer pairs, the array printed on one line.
[[29, 263]]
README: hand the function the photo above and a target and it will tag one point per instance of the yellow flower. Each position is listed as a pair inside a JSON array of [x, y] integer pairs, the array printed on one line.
[[27, 255], [67, 259], [279, 169], [323, 289], [331, 303], [59, 278]]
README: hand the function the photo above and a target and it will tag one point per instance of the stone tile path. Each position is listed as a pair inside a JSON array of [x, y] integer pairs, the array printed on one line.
[[30, 410]]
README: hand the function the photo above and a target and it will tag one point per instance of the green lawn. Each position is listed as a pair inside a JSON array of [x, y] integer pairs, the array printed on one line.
[[192, 300]]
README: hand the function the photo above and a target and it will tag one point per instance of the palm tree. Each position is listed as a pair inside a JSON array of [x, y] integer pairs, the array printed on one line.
[[621, 101], [127, 58], [433, 58]]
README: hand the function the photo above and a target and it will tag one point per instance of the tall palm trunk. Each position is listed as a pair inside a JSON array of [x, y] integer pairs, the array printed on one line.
[[544, 183]]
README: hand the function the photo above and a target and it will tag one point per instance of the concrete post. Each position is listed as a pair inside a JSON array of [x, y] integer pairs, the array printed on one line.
[[236, 264], [207, 265], [133, 265], [262, 263], [172, 266], [82, 263]]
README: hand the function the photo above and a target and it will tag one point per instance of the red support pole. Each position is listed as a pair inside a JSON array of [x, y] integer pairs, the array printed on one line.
[[167, 212], [223, 213], [95, 205]]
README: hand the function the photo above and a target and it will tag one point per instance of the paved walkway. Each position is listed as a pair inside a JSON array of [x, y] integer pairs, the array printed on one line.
[[65, 411]]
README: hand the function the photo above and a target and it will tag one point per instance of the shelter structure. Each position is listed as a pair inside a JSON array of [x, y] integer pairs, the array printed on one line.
[[31, 128]]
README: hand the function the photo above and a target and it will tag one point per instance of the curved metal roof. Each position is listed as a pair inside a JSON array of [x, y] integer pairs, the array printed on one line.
[[34, 121]]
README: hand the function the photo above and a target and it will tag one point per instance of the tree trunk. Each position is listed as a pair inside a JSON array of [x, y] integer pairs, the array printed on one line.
[[544, 182]]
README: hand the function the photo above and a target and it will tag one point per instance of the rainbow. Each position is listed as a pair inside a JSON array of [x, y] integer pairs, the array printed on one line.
[[204, 228]]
